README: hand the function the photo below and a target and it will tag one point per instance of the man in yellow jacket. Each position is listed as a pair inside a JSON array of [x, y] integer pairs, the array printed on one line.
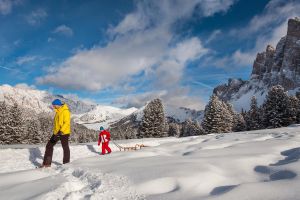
[[61, 131]]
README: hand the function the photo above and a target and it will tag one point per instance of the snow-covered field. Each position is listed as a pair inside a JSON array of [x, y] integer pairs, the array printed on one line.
[[260, 164]]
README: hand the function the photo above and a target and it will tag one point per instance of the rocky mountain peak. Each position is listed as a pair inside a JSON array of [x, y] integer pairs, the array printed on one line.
[[294, 27], [280, 65]]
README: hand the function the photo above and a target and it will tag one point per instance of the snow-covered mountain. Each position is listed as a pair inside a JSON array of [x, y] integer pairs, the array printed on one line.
[[280, 65], [102, 116], [39, 100], [178, 114], [128, 126], [89, 114]]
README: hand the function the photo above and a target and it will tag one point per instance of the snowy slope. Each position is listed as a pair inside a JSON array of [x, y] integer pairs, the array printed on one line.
[[102, 116], [26, 97], [90, 115], [84, 113], [39, 100], [261, 164], [177, 113]]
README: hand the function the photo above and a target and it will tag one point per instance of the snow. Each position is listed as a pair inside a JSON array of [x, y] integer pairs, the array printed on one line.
[[177, 113], [262, 164], [182, 114], [91, 115], [244, 101], [25, 97], [1, 95], [102, 116]]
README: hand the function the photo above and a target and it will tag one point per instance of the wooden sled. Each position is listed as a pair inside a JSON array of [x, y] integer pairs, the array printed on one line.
[[136, 147]]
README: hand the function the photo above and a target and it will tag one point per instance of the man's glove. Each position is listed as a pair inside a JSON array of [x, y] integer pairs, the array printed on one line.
[[55, 138]]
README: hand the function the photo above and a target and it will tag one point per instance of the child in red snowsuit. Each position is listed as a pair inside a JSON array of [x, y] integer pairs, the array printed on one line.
[[104, 138]]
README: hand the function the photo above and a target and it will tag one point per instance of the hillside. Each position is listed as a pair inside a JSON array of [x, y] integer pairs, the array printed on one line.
[[265, 162]]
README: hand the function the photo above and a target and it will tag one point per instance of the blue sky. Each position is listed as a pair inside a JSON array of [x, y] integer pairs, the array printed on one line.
[[125, 52]]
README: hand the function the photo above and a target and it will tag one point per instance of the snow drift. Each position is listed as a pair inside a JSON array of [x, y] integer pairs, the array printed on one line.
[[261, 164]]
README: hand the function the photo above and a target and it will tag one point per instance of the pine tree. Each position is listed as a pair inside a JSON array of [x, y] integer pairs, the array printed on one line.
[[191, 128], [229, 117], [298, 108], [174, 130], [240, 124], [293, 110], [253, 119], [34, 135], [3, 122], [154, 122], [275, 108], [16, 129], [46, 126], [215, 115]]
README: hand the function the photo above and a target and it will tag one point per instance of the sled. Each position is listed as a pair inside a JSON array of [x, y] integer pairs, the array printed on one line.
[[136, 147]]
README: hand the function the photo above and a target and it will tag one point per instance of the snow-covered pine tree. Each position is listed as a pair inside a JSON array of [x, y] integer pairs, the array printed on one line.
[[197, 128], [46, 126], [191, 128], [240, 124], [34, 135], [253, 119], [153, 123], [275, 108], [3, 122], [213, 121], [16, 129], [174, 130], [229, 117], [293, 110], [298, 111]]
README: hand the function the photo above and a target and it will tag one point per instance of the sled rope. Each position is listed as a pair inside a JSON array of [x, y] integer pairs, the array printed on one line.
[[136, 147]]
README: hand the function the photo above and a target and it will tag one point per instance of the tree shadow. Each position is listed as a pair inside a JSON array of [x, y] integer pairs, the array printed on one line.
[[262, 169], [283, 174], [92, 148], [222, 189], [34, 154], [292, 155]]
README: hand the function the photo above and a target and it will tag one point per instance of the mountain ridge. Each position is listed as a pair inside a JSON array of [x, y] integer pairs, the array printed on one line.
[[274, 66]]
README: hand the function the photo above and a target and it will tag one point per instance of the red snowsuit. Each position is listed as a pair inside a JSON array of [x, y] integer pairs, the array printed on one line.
[[104, 138]]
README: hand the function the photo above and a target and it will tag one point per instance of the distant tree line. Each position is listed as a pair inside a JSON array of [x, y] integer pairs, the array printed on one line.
[[20, 126], [154, 124], [278, 110]]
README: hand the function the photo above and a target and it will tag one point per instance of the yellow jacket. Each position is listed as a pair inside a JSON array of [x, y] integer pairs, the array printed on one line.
[[62, 120]]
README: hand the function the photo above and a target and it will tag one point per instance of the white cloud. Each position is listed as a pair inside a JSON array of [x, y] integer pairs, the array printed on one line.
[[275, 13], [75, 97], [26, 59], [142, 42], [99, 68], [178, 97], [17, 42], [213, 36], [210, 7], [170, 70], [64, 30], [269, 27], [36, 17], [50, 39], [25, 86], [7, 5]]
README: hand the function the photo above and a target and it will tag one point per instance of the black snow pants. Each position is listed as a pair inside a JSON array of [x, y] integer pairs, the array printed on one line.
[[49, 148]]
